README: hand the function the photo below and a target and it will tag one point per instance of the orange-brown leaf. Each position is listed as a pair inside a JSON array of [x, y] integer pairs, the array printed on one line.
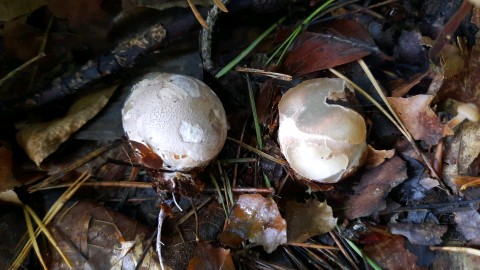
[[208, 257], [257, 219], [418, 117]]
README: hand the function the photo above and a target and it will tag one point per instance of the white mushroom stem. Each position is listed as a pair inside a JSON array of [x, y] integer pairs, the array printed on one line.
[[465, 111]]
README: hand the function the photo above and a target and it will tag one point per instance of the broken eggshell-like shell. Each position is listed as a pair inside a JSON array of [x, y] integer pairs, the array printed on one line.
[[178, 117], [322, 142]]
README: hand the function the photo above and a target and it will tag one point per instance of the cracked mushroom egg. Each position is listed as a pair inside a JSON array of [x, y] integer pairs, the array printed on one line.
[[178, 117], [322, 142]]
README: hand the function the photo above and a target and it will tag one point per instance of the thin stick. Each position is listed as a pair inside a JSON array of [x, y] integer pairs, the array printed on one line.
[[309, 245], [466, 250], [399, 121], [258, 152], [21, 67], [394, 122]]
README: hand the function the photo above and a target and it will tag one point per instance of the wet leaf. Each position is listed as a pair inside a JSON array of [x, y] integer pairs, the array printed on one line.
[[340, 42], [257, 219], [305, 220], [374, 187], [422, 234], [468, 223], [208, 257], [419, 118], [388, 250], [95, 237], [12, 9], [39, 140]]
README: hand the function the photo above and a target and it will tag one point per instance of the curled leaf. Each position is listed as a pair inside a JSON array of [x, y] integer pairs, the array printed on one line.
[[39, 140]]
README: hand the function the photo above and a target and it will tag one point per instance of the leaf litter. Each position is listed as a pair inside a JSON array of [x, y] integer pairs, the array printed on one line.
[[387, 195]]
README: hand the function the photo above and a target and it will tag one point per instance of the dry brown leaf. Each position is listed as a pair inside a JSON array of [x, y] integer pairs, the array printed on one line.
[[421, 234], [388, 250], [305, 220], [376, 157], [257, 219], [374, 187], [208, 257], [7, 180], [340, 42], [39, 140], [419, 118], [98, 238]]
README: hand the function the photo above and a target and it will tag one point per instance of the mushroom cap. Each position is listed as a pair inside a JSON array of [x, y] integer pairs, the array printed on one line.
[[178, 117], [322, 142], [469, 111]]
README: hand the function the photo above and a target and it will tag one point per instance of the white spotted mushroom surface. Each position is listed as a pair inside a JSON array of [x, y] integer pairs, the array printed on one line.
[[178, 117], [322, 142]]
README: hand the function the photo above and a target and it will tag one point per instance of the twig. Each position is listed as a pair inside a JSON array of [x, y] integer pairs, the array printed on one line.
[[206, 37], [309, 245], [466, 250], [448, 30], [20, 68]]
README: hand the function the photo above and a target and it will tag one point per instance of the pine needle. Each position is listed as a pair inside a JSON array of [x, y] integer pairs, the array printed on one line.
[[32, 238], [249, 49], [197, 14], [220, 5], [258, 152], [47, 233], [49, 217]]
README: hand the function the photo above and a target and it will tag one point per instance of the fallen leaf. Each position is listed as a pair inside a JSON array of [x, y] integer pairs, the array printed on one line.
[[429, 183], [465, 84], [468, 223], [13, 9], [39, 140], [388, 250], [376, 157], [374, 187], [445, 260], [422, 234], [7, 180], [257, 219], [98, 238], [418, 118], [21, 41], [208, 257], [84, 16], [340, 42], [305, 220]]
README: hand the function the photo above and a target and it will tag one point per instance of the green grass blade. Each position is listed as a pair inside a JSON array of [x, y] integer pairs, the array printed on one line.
[[249, 49]]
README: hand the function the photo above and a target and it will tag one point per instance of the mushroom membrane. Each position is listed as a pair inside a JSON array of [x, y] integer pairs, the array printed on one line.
[[178, 117], [322, 142]]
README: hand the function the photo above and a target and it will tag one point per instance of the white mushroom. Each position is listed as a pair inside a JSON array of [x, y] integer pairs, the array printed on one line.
[[322, 142], [467, 111], [178, 117]]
